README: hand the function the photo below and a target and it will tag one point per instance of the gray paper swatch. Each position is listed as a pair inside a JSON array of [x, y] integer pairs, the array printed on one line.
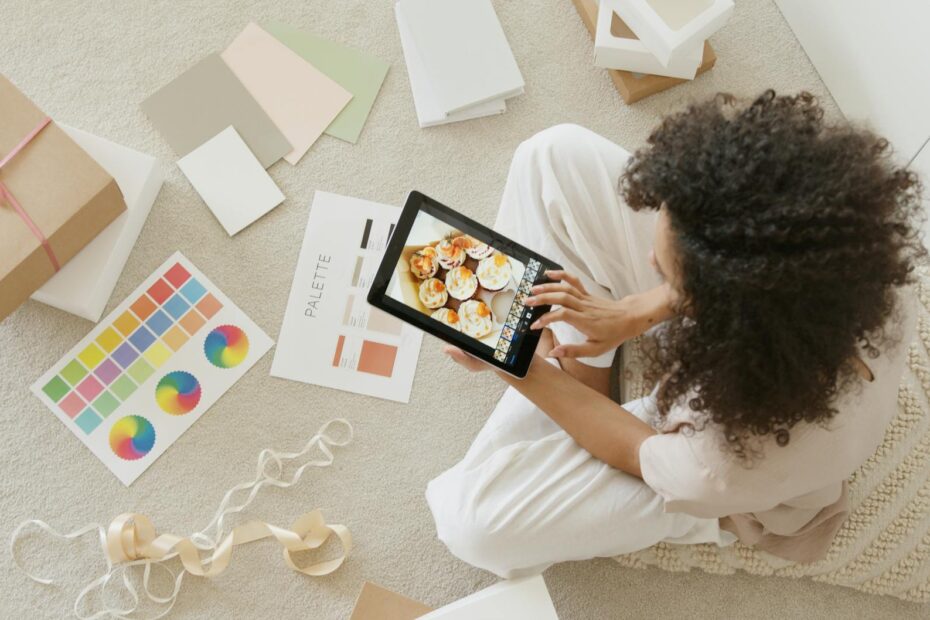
[[205, 100]]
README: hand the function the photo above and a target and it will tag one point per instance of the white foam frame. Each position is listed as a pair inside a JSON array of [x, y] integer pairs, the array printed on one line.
[[662, 40], [612, 52]]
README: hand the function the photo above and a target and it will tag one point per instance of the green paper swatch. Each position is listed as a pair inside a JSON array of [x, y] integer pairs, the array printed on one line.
[[360, 74]]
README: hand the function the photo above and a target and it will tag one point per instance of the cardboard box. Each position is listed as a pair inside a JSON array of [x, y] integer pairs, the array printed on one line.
[[617, 47], [635, 86], [668, 27], [84, 285], [377, 603], [68, 196]]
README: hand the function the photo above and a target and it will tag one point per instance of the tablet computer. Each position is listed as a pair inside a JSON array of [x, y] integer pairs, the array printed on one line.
[[462, 282]]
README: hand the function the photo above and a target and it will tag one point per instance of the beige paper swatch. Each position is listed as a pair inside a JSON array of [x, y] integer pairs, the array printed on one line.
[[300, 100], [206, 99]]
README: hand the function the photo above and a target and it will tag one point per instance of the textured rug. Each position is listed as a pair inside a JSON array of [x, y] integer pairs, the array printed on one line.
[[884, 545], [89, 64]]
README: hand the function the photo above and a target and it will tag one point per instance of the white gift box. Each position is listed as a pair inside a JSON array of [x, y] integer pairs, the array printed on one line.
[[617, 47], [668, 27]]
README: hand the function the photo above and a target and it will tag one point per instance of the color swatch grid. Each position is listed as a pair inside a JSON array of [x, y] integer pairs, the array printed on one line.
[[163, 357], [126, 353]]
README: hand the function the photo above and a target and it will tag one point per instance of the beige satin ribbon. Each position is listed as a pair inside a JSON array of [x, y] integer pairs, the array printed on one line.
[[130, 539]]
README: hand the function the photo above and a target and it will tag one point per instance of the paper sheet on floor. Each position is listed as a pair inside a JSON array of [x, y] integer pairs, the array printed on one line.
[[206, 99], [151, 368], [300, 99], [230, 180], [514, 599], [330, 335], [357, 72]]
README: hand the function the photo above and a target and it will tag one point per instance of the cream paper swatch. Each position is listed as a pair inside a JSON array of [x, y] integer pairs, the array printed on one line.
[[300, 99]]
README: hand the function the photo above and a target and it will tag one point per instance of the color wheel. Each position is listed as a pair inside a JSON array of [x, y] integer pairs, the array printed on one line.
[[132, 437], [177, 392], [226, 346]]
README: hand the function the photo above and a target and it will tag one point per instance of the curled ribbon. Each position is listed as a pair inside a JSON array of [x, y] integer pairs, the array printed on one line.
[[7, 195], [130, 539]]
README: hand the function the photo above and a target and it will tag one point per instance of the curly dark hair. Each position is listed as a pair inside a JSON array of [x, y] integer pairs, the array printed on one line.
[[792, 235]]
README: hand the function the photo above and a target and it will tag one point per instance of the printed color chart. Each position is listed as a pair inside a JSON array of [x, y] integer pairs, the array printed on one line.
[[330, 335], [149, 370]]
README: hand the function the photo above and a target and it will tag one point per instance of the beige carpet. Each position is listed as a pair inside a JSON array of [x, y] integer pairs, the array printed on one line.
[[89, 65]]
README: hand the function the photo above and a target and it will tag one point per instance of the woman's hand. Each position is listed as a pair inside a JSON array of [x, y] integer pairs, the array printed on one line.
[[463, 359], [607, 323], [472, 364]]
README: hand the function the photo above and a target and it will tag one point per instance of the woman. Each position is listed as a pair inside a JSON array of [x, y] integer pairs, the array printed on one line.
[[781, 247]]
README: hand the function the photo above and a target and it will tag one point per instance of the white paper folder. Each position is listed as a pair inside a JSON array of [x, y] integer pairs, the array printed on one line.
[[465, 55]]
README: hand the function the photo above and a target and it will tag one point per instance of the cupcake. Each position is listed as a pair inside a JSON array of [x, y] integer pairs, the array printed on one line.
[[450, 254], [476, 249], [494, 272], [433, 293], [448, 316], [423, 263], [476, 318], [461, 283]]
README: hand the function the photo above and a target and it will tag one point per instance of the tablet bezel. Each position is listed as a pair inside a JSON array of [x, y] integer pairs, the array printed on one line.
[[378, 297]]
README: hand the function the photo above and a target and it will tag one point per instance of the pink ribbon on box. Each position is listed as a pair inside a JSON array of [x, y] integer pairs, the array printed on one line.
[[7, 195]]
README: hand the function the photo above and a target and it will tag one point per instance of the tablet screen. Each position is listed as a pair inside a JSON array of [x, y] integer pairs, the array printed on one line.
[[451, 276]]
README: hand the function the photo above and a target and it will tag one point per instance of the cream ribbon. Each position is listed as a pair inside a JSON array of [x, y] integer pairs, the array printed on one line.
[[130, 539]]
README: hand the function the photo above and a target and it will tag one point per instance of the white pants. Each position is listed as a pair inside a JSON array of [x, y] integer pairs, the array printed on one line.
[[526, 495]]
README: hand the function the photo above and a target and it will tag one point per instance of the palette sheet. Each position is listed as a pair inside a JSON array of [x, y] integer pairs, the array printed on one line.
[[330, 335], [152, 367]]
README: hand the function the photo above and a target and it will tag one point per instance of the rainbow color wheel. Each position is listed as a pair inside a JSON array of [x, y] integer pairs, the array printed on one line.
[[177, 393], [226, 346], [132, 437]]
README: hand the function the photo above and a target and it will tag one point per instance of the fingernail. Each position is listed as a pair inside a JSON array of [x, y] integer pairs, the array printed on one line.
[[555, 352], [535, 325], [530, 301]]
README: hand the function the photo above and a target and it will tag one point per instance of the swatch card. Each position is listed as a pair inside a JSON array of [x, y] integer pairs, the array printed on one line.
[[205, 100], [330, 335], [357, 72], [300, 100], [230, 180], [152, 367]]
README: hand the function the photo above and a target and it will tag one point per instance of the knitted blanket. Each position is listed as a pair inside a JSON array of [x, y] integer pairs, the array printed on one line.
[[884, 545]]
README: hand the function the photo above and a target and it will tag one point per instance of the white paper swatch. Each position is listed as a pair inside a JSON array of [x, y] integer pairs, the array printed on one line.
[[231, 180], [514, 599]]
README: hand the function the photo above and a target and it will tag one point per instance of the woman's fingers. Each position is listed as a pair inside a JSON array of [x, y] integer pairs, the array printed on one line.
[[587, 349], [556, 287], [564, 276], [562, 314], [555, 299], [464, 359]]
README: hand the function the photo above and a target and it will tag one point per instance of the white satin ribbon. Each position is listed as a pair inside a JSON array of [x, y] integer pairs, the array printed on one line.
[[130, 539]]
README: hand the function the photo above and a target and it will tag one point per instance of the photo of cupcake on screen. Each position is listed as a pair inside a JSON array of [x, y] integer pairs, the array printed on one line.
[[457, 280]]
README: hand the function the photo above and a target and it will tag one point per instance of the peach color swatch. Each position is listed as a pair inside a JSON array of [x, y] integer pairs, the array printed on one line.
[[299, 99]]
